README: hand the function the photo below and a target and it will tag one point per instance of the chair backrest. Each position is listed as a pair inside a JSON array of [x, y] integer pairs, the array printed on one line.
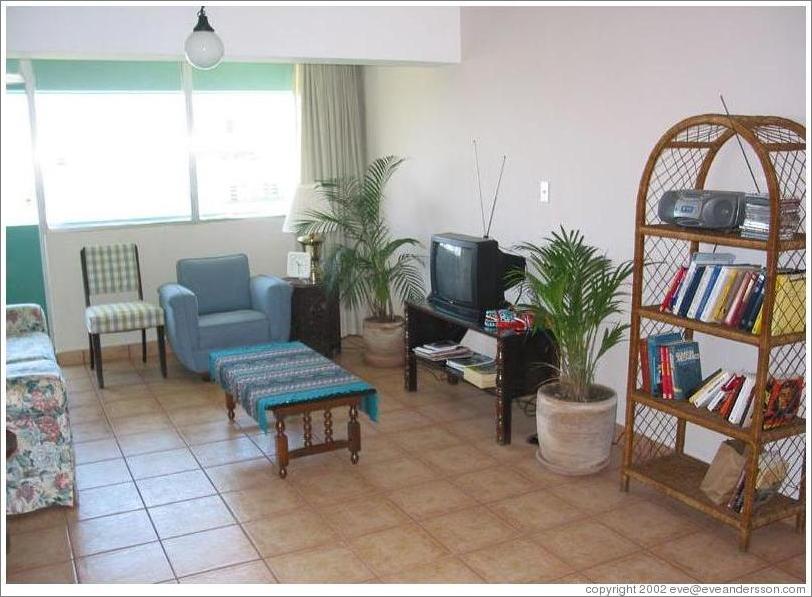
[[108, 269], [220, 283]]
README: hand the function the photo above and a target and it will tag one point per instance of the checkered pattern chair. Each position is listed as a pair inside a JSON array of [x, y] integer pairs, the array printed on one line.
[[113, 269]]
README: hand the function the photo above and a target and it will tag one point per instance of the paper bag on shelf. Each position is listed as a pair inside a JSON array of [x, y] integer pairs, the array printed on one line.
[[724, 471]]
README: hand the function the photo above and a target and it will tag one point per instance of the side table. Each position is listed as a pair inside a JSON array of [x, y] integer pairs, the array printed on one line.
[[315, 318]]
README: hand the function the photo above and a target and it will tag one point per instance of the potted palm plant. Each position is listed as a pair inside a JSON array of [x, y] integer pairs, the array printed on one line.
[[367, 266], [573, 290]]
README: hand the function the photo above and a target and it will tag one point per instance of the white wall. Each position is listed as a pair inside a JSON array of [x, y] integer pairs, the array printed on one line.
[[577, 97], [159, 249], [282, 33]]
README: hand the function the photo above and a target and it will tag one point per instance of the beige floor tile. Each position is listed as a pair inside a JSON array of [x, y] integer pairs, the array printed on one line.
[[133, 407], [324, 565], [96, 451], [364, 515], [190, 400], [191, 516], [533, 470], [327, 484], [98, 474], [90, 431], [290, 531], [376, 448], [585, 543], [44, 518], [242, 475], [158, 491], [691, 554], [647, 524], [80, 384], [141, 424], [492, 484], [595, 495], [769, 576], [777, 542], [462, 458], [396, 549], [637, 568], [796, 566], [456, 410], [516, 562], [111, 532], [197, 416], [207, 550], [160, 386], [61, 573], [125, 377], [534, 511], [110, 394], [103, 501], [473, 429], [36, 549], [150, 441], [468, 530], [141, 564], [226, 452], [401, 420], [250, 572], [263, 501], [207, 433], [76, 399], [420, 441], [397, 473], [156, 464], [446, 570], [431, 499]]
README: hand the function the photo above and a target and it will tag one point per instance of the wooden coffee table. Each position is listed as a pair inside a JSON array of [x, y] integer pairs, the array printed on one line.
[[288, 379]]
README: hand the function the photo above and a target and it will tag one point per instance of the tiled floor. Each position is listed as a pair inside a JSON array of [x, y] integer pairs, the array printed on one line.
[[170, 491]]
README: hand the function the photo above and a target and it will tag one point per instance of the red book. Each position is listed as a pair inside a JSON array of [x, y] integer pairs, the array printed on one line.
[[679, 276], [665, 372], [730, 397], [748, 292], [644, 370], [738, 305]]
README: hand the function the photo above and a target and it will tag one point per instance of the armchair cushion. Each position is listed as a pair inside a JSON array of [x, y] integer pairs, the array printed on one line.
[[29, 347], [272, 296], [24, 318], [233, 328], [219, 283]]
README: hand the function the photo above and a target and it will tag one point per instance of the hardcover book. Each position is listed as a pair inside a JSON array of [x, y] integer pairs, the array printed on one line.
[[684, 368], [654, 343]]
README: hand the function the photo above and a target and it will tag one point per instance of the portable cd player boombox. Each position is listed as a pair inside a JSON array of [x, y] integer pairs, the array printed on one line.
[[719, 210]]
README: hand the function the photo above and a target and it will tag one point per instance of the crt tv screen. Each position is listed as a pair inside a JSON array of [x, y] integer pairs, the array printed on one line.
[[455, 265]]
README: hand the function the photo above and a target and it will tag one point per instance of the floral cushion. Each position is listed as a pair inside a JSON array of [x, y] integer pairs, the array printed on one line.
[[24, 318], [34, 387], [29, 347]]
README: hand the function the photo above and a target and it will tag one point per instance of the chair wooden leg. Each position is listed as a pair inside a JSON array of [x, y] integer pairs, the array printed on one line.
[[90, 344], [161, 349], [143, 346], [97, 355]]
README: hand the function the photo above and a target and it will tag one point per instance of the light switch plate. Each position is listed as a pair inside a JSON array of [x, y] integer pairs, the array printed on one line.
[[544, 191]]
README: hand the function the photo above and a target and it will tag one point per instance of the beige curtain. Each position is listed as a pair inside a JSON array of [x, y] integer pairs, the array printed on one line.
[[332, 136]]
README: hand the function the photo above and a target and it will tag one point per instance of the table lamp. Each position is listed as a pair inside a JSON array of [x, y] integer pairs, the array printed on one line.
[[306, 200]]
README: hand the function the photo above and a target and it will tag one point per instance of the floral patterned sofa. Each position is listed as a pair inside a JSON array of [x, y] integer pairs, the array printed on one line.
[[41, 471]]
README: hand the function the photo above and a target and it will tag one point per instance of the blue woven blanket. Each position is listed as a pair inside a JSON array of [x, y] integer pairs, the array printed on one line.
[[267, 375]]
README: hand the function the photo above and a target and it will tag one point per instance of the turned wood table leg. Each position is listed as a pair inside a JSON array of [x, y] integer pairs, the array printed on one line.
[[308, 429], [281, 447], [354, 434], [328, 426], [230, 404]]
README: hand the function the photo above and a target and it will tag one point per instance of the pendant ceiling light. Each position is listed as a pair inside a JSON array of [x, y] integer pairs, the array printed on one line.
[[204, 50]]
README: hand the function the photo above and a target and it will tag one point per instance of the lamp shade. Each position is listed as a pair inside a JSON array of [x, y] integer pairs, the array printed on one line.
[[204, 49], [306, 199]]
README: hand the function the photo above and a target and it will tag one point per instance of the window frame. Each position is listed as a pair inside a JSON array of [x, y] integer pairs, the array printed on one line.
[[26, 69]]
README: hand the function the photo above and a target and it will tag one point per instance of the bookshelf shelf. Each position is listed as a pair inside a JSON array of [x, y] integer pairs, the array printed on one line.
[[655, 440], [715, 329]]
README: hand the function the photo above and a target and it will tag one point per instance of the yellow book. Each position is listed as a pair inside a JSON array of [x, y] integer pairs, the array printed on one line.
[[757, 324], [789, 310], [721, 301]]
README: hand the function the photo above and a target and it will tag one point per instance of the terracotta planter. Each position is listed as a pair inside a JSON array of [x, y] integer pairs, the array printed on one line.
[[383, 343], [575, 438]]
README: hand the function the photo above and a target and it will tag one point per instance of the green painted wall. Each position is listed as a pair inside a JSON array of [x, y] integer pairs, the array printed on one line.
[[24, 279]]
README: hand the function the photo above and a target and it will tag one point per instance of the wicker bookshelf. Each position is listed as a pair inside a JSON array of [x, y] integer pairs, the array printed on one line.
[[654, 451]]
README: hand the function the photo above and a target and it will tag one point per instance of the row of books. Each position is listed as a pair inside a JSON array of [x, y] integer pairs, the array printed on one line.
[[477, 369], [757, 218], [772, 470], [733, 295], [732, 396], [670, 366]]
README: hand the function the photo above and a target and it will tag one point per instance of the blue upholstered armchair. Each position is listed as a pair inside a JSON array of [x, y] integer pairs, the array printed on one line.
[[216, 304]]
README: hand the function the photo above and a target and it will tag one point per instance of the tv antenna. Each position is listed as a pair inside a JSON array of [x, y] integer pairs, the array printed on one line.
[[741, 147], [479, 184], [495, 196]]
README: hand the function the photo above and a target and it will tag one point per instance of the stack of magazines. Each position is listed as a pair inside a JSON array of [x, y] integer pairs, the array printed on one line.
[[757, 218], [442, 351]]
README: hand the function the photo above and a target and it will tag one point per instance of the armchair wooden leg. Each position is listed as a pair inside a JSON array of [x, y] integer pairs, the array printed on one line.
[[161, 349], [143, 346], [97, 355], [90, 344]]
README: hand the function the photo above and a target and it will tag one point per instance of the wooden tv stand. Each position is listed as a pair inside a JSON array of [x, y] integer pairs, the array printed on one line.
[[521, 359]]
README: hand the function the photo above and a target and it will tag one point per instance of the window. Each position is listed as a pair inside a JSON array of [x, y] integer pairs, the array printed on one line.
[[19, 195], [244, 140]]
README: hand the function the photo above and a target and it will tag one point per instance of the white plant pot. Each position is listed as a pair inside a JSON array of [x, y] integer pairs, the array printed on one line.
[[575, 438], [383, 343]]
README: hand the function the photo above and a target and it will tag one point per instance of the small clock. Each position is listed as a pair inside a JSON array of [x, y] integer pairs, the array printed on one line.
[[298, 265]]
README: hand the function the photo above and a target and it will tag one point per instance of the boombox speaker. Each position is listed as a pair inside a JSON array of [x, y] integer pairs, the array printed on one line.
[[719, 210]]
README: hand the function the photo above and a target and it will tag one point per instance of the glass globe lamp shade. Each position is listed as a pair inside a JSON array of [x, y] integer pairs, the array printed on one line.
[[204, 49]]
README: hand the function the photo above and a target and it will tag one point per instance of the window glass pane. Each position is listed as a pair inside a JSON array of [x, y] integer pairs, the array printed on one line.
[[19, 198], [246, 152], [113, 157]]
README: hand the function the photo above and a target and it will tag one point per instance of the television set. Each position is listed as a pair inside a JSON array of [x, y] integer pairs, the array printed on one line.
[[468, 274]]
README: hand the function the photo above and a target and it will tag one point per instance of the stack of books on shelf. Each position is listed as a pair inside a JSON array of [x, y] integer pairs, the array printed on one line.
[[731, 395], [442, 351], [757, 218], [477, 369], [715, 290], [772, 470], [670, 366]]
